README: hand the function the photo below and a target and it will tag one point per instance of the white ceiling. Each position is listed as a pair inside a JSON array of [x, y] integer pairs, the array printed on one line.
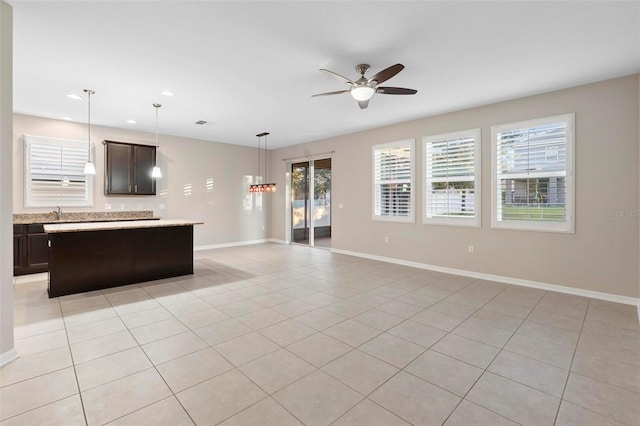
[[253, 66]]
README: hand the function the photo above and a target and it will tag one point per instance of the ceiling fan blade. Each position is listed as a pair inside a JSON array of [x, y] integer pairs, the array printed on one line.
[[387, 73], [363, 104], [337, 76], [330, 93], [395, 91]]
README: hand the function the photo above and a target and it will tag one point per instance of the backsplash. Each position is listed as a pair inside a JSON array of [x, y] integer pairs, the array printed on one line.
[[22, 218]]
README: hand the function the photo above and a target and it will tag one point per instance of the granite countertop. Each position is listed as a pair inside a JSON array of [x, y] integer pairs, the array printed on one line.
[[129, 224], [77, 217]]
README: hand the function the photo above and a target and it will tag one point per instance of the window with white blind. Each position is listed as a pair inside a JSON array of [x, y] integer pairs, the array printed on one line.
[[54, 173], [532, 174], [393, 181], [452, 178]]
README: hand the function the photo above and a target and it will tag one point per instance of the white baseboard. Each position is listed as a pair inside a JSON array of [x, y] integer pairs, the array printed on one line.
[[627, 300], [30, 278], [507, 280], [234, 244], [277, 241], [7, 357]]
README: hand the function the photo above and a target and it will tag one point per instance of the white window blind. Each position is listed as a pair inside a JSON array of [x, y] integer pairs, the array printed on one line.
[[452, 177], [393, 181], [54, 173], [533, 174]]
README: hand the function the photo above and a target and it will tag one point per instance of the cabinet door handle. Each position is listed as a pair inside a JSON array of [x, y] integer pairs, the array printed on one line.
[[129, 188], [136, 188]]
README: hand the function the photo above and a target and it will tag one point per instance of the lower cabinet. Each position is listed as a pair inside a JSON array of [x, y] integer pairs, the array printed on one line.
[[30, 249], [93, 260]]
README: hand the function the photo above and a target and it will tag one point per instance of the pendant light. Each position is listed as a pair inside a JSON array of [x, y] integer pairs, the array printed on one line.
[[263, 187], [155, 172], [89, 167]]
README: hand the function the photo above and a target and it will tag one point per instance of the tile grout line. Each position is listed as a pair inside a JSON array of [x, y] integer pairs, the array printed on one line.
[[575, 350], [73, 363], [152, 366], [68, 346], [235, 368], [484, 370], [571, 372], [344, 269]]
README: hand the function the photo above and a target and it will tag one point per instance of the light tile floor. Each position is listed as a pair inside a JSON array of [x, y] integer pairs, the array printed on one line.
[[277, 335]]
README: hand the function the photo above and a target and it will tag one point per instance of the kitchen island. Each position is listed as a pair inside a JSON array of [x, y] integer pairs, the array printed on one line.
[[98, 255]]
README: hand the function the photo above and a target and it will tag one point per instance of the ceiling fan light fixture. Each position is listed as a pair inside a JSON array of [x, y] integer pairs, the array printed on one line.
[[362, 93]]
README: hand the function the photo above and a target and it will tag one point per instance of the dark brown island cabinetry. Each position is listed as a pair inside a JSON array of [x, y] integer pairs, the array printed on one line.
[[30, 249], [87, 260], [128, 169]]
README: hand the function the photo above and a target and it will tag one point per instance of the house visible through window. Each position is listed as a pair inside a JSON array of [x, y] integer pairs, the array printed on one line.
[[393, 181], [533, 174], [54, 173], [452, 178]]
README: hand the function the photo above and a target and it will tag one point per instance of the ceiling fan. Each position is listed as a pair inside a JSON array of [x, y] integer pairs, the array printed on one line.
[[364, 88]]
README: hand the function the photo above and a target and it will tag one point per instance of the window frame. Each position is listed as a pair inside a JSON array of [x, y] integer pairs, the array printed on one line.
[[29, 201], [405, 143], [568, 225], [476, 220]]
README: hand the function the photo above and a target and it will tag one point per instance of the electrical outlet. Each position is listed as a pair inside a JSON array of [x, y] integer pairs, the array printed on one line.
[[386, 239], [470, 249]]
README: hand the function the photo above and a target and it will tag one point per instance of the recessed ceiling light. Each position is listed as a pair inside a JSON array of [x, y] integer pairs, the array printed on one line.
[[67, 118], [74, 96], [132, 122], [166, 93]]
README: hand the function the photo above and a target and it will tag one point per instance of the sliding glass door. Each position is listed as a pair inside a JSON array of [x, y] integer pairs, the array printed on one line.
[[311, 202]]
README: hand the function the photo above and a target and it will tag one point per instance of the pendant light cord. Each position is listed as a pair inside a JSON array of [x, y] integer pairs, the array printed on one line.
[[156, 126], [89, 92], [156, 107], [89, 127], [266, 179]]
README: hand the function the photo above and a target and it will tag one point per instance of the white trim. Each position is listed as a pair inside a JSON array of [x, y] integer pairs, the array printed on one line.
[[28, 202], [277, 241], [233, 244], [8, 356], [411, 217], [30, 278], [320, 156], [498, 278], [287, 202], [568, 226], [475, 221]]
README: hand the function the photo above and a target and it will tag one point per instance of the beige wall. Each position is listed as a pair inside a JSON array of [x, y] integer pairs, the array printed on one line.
[[7, 351], [601, 256], [182, 191]]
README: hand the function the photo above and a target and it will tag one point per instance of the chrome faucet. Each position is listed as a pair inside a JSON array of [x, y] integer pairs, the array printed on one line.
[[59, 212]]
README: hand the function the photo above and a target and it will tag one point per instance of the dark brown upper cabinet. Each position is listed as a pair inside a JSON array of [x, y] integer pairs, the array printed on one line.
[[128, 169]]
